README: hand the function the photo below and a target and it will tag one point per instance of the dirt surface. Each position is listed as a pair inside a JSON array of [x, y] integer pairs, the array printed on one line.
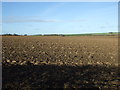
[[60, 62]]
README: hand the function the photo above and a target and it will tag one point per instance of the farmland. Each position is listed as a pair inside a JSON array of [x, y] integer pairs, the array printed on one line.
[[60, 62]]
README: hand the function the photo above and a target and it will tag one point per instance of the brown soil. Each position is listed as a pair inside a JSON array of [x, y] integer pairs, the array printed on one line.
[[60, 62]]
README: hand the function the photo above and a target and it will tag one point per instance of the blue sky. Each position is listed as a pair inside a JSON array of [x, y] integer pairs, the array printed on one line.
[[59, 18]]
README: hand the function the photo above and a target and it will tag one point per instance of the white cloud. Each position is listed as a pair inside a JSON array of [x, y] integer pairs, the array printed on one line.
[[102, 27], [27, 20], [34, 19]]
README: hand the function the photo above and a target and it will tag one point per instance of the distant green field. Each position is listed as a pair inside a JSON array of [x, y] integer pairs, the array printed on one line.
[[89, 34], [92, 34]]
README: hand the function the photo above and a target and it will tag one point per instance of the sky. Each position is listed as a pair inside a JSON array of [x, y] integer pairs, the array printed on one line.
[[59, 17]]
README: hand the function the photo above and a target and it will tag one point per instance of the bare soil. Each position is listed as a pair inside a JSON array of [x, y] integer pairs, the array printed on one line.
[[60, 62]]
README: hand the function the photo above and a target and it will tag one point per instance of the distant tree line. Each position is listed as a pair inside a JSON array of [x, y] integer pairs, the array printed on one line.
[[13, 35], [62, 35], [33, 35]]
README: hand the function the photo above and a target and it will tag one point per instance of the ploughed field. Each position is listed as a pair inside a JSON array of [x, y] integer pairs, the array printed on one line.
[[60, 62]]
